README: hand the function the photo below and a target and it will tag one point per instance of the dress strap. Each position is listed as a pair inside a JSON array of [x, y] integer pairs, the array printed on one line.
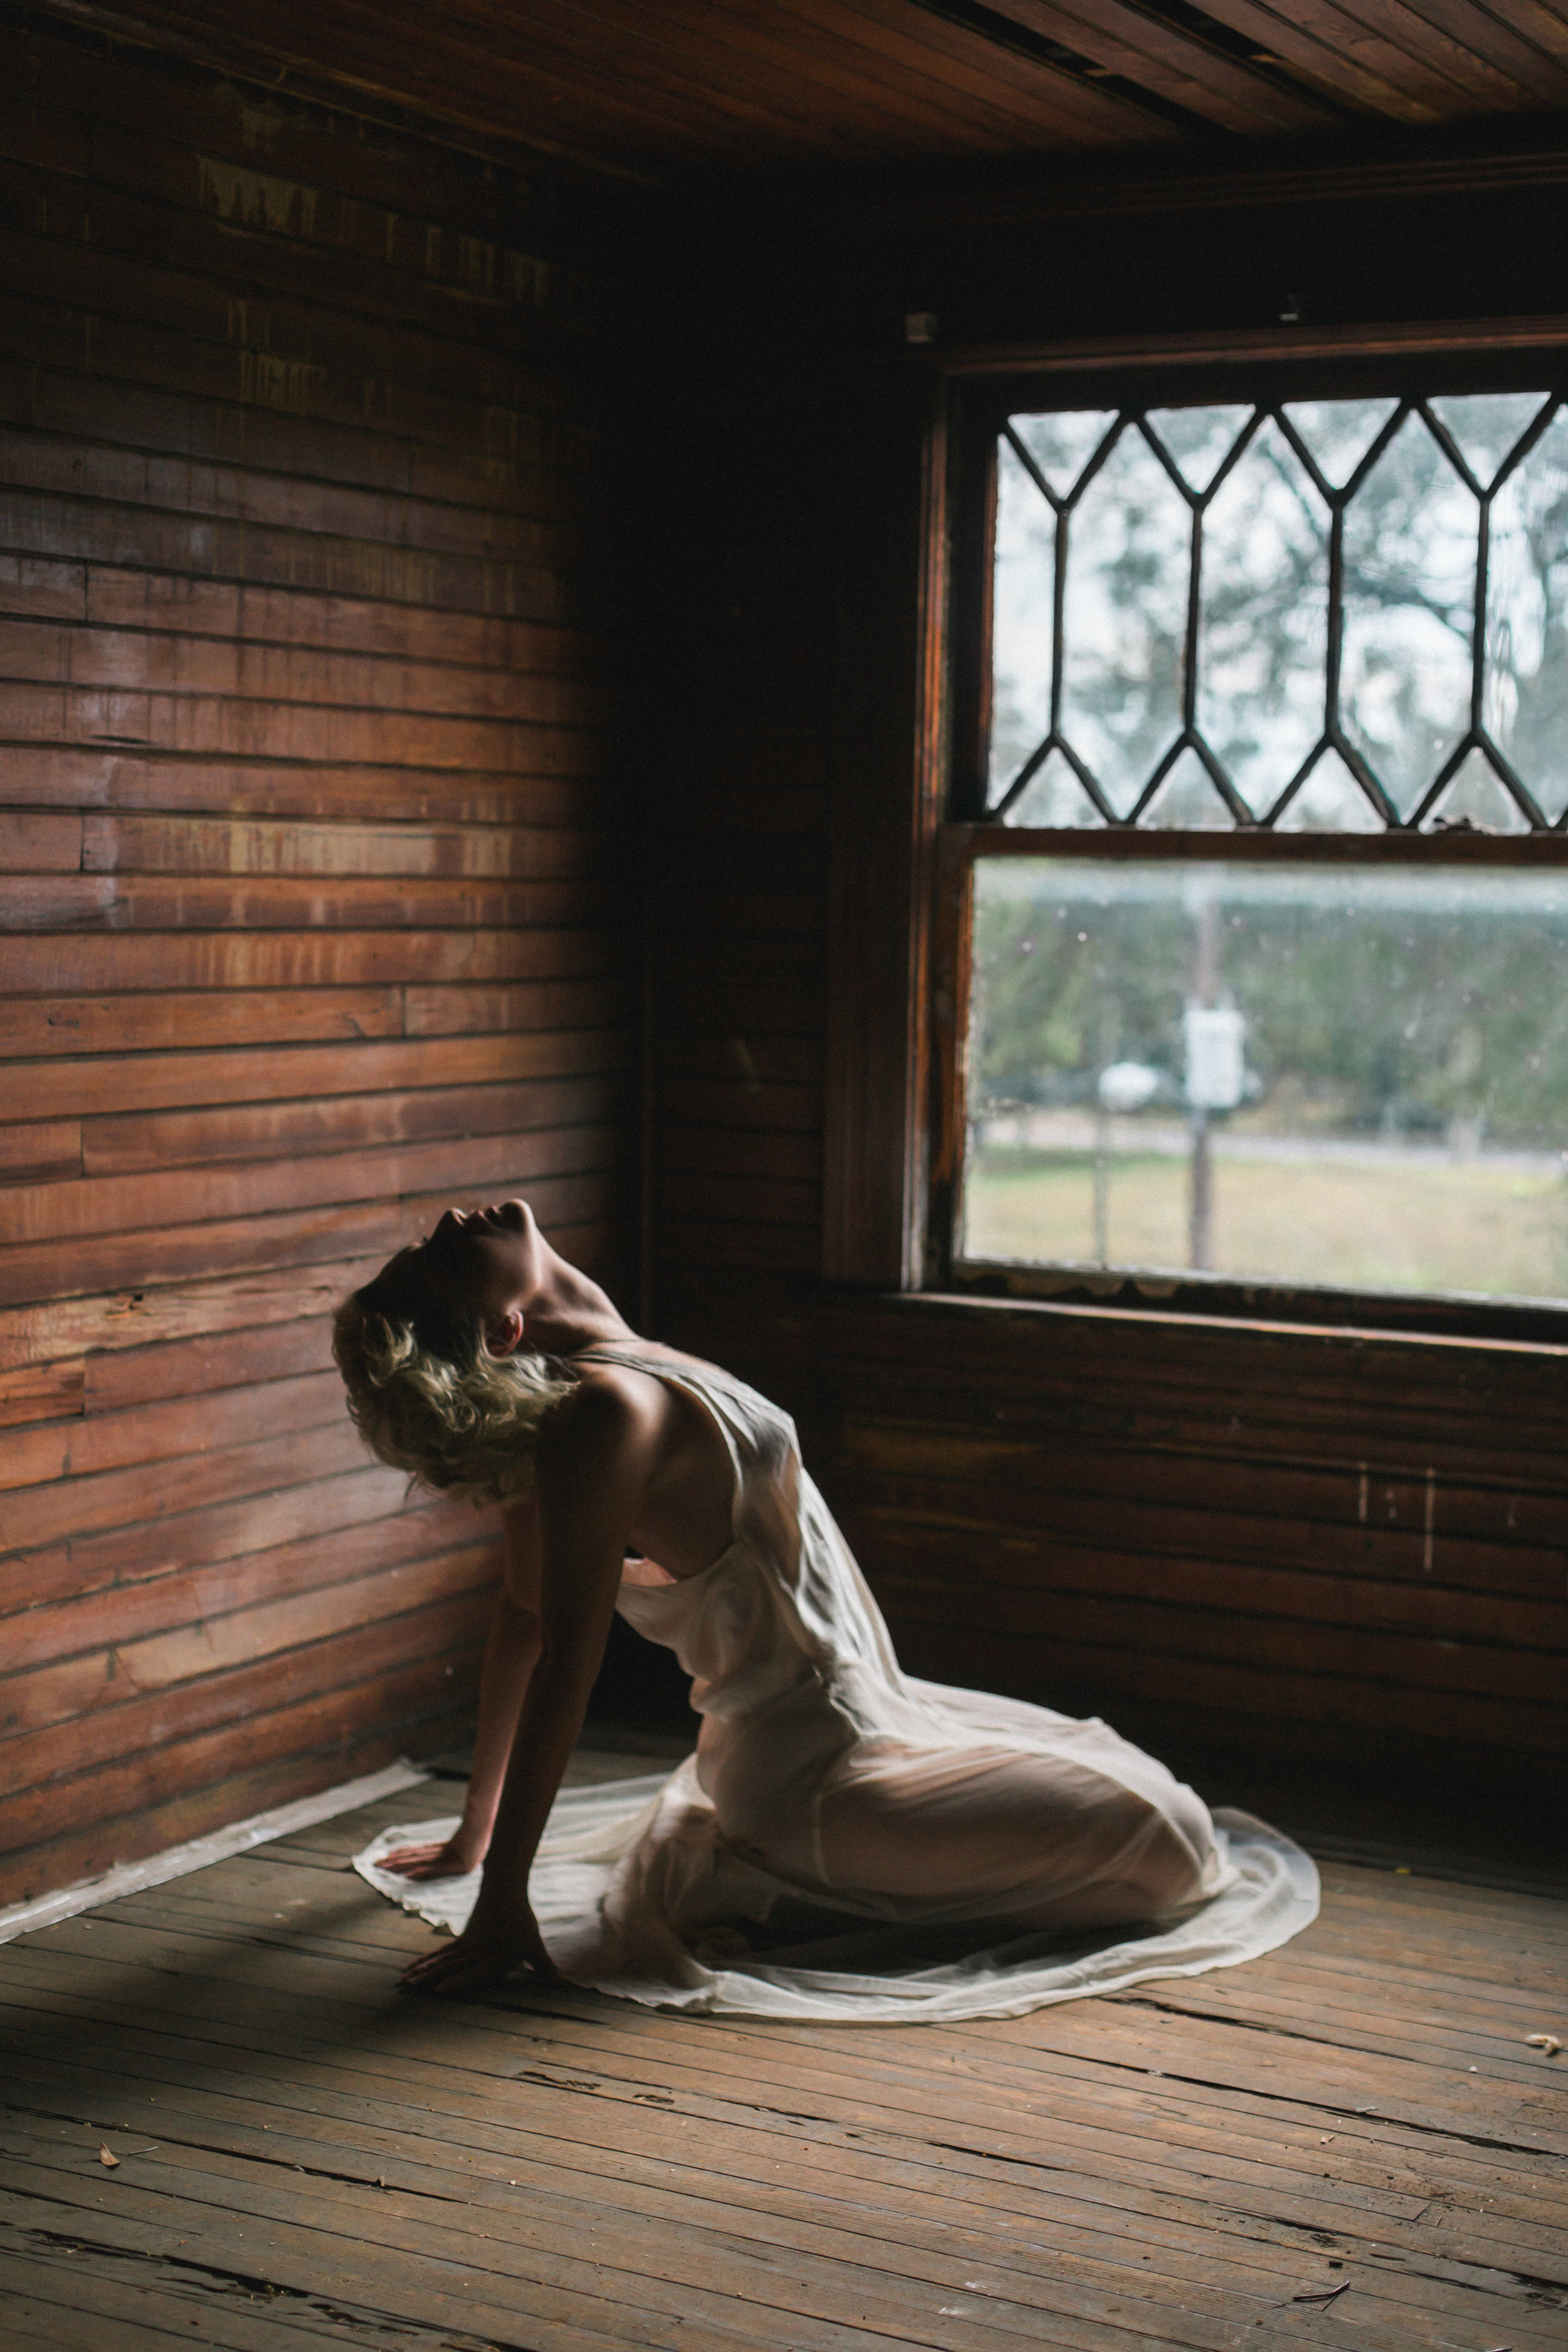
[[708, 1395]]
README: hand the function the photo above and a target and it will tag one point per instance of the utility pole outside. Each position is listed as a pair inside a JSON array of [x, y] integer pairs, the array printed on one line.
[[1105, 1024], [1205, 988], [1216, 1063]]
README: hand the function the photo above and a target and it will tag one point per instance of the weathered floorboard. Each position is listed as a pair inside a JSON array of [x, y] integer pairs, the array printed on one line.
[[304, 2153]]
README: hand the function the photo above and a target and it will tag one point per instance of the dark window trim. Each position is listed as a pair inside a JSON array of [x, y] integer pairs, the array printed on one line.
[[1211, 1298], [906, 1160], [1261, 1313], [1491, 342], [914, 579]]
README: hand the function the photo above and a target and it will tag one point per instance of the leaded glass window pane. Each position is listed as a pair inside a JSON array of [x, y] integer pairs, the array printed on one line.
[[1337, 615]]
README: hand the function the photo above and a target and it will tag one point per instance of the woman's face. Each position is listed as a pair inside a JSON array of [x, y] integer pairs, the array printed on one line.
[[483, 1262]]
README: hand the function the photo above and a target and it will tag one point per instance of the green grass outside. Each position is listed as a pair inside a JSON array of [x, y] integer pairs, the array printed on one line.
[[1410, 1226]]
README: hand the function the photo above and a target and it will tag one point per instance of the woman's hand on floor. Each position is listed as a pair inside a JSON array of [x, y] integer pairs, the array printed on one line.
[[455, 1859], [496, 1940]]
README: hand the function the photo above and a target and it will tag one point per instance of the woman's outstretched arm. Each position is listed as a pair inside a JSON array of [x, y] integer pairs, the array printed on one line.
[[511, 1652], [592, 1472]]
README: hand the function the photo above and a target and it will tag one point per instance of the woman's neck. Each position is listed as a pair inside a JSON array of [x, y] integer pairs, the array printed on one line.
[[567, 1312]]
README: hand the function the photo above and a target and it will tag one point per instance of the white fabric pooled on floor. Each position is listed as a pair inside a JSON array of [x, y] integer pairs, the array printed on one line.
[[1272, 1897]]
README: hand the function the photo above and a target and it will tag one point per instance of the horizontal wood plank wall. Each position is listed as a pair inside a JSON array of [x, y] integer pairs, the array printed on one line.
[[1345, 1547], [310, 917], [737, 905]]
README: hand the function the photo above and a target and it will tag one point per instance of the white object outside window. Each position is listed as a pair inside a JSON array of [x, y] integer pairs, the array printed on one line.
[[1217, 1066]]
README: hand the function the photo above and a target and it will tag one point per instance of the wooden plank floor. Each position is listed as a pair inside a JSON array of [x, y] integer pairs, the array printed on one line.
[[1348, 2143]]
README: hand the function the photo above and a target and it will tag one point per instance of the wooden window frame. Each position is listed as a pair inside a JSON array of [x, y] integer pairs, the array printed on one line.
[[914, 595]]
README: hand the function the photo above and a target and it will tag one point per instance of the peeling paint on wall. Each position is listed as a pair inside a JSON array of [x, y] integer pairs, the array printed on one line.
[[255, 200], [258, 125], [289, 386]]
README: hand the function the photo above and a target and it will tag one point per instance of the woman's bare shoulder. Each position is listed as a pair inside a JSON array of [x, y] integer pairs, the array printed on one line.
[[613, 1410]]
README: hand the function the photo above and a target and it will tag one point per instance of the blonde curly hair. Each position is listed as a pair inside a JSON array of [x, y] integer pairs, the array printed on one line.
[[427, 1396]]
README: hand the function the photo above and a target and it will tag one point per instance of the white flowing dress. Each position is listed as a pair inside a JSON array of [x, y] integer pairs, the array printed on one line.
[[848, 1842]]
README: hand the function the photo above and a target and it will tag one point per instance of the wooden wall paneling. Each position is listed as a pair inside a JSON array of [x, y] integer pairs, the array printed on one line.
[[236, 1234], [108, 1328], [47, 1025], [121, 1146], [201, 1366], [67, 1509], [113, 1085], [115, 1685], [40, 1393], [186, 1787], [411, 796], [63, 961], [105, 1205], [282, 331], [1265, 1543], [282, 1709], [420, 646], [1206, 1507], [251, 1244], [143, 1432], [135, 649], [312, 901], [33, 1153], [735, 894], [1327, 1540], [145, 1639], [217, 1529]]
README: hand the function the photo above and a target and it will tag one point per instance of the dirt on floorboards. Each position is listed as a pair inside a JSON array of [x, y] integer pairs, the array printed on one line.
[[1351, 2142]]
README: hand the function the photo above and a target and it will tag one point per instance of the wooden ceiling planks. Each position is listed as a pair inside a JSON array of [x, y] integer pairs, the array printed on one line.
[[1460, 49], [519, 90], [675, 88], [667, 89], [820, 69], [1391, 59], [899, 41], [900, 64], [516, 80], [1144, 48], [1316, 42], [1527, 45], [733, 80]]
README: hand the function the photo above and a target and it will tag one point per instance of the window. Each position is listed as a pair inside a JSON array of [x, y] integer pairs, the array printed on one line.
[[1325, 614], [1307, 1072], [1262, 783]]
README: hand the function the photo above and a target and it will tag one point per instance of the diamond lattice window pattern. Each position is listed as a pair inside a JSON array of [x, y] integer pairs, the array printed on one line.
[[1326, 616]]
